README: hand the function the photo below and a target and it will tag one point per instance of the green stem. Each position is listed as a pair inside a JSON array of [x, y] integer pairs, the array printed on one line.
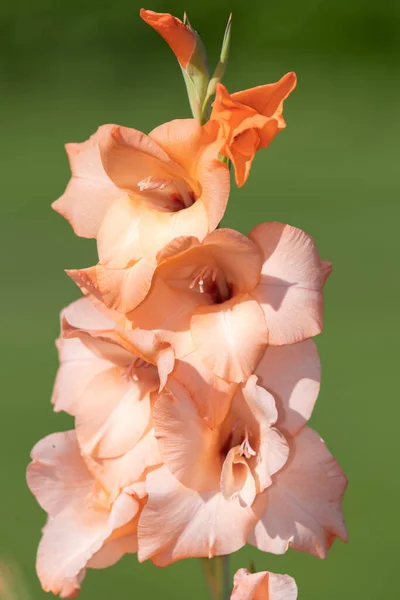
[[208, 571], [217, 574]]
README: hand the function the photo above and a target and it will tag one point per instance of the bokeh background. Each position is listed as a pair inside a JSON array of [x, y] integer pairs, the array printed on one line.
[[68, 66]]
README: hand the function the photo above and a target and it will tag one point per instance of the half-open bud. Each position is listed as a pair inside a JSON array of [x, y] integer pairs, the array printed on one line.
[[188, 48]]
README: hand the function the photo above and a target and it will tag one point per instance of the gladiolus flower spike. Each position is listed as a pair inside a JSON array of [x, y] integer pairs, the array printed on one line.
[[188, 364]]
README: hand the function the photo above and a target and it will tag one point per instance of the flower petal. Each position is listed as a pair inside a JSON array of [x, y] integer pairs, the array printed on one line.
[[118, 237], [263, 586], [191, 221], [238, 333], [238, 258], [237, 480], [78, 366], [178, 522], [196, 150], [180, 38], [290, 288], [273, 449], [167, 311], [113, 550], [130, 156], [292, 374], [90, 192], [268, 99], [211, 394], [72, 538], [57, 474], [113, 414], [188, 447], [126, 470], [302, 508]]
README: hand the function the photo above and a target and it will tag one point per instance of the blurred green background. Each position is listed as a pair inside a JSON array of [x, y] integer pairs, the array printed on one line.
[[65, 68]]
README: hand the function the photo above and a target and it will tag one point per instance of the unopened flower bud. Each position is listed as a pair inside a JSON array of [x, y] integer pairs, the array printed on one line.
[[188, 48]]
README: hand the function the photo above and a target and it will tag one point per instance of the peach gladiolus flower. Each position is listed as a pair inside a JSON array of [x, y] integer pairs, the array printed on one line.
[[180, 38], [228, 297], [263, 586], [91, 521], [260, 469], [126, 186], [108, 380], [250, 120]]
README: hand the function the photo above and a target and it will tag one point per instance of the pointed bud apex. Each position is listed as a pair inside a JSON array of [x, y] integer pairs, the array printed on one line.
[[188, 49], [186, 20], [226, 42], [219, 70]]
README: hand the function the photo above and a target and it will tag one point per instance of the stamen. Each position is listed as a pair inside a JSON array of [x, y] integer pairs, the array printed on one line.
[[152, 183], [212, 281], [245, 449], [199, 279], [137, 363]]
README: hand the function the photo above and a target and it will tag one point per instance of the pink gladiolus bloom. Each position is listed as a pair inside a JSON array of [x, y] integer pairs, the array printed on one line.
[[135, 193], [104, 367], [91, 521], [261, 476], [263, 586], [108, 379], [228, 297]]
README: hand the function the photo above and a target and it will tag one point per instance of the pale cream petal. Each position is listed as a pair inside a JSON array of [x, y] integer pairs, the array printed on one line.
[[291, 284], [178, 522], [292, 374], [303, 507], [238, 332]]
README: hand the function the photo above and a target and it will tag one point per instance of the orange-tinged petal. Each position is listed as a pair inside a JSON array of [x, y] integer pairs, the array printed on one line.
[[196, 148], [179, 37], [118, 237], [292, 279], [130, 156], [90, 192], [124, 289], [82, 314], [263, 586], [119, 289], [71, 539], [78, 367], [185, 141], [242, 154], [238, 258], [178, 522], [102, 343], [302, 508], [211, 394], [237, 480], [193, 220], [226, 249], [167, 312], [127, 470], [292, 374], [78, 364], [273, 449], [114, 413], [249, 121], [78, 526], [113, 551], [239, 336], [187, 445], [118, 345], [267, 100], [57, 473]]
